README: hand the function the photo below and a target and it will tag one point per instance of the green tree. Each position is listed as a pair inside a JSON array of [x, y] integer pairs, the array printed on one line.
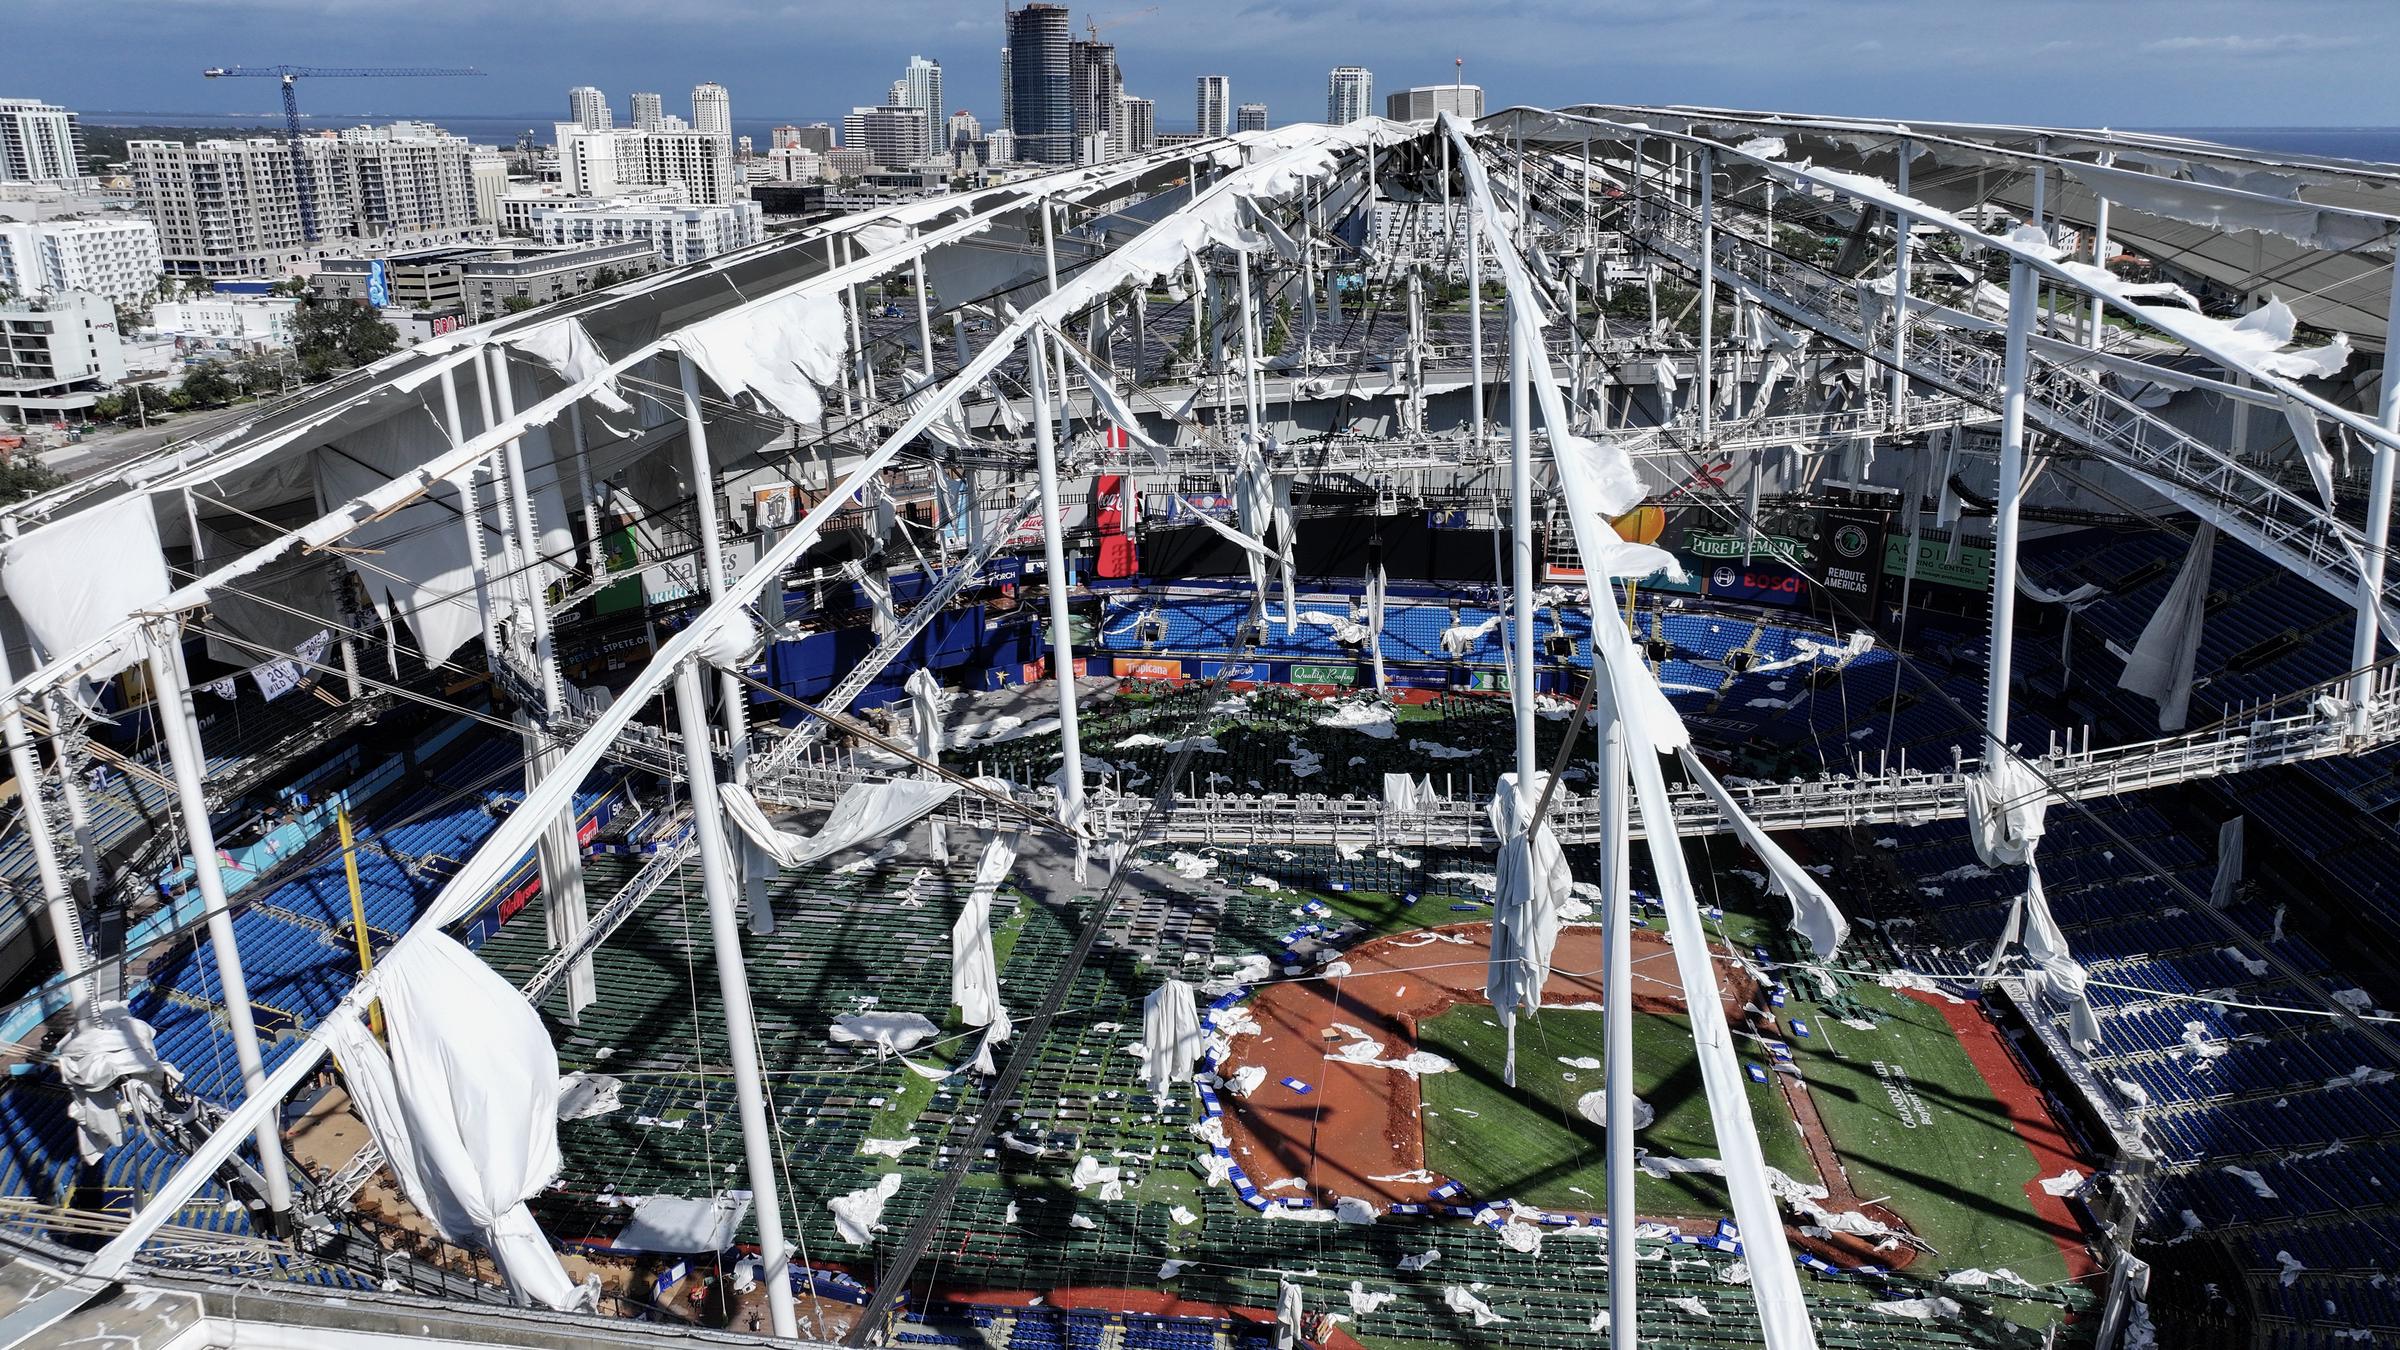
[[22, 476], [296, 287], [330, 336], [207, 387], [517, 304]]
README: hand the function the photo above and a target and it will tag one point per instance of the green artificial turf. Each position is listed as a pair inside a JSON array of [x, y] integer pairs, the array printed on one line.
[[1530, 1144], [1954, 1168]]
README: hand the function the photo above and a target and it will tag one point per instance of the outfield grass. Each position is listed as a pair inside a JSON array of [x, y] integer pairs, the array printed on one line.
[[1959, 1178], [1529, 1143]]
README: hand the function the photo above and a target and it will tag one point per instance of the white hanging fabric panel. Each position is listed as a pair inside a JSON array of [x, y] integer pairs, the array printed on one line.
[[1111, 403], [925, 704], [1814, 915], [465, 1107], [567, 348], [1287, 545], [865, 812], [1532, 887], [877, 584], [1170, 1036], [2229, 863], [2006, 804], [110, 1062], [1405, 792], [781, 352], [2160, 665], [76, 578], [2055, 974], [1254, 515], [1375, 603], [974, 974]]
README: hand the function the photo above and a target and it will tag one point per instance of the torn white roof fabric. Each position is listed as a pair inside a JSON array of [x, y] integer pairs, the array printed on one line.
[[2006, 804], [974, 974], [1533, 883], [1814, 914], [2161, 664], [65, 600], [865, 812], [465, 1107], [1170, 1035], [781, 352]]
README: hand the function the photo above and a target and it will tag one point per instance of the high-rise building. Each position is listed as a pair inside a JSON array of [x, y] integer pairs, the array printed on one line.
[[600, 163], [817, 136], [1000, 146], [39, 142], [114, 258], [1139, 118], [1250, 117], [1040, 84], [229, 208], [962, 131], [648, 110], [712, 111], [1212, 113], [1349, 93], [1097, 85], [588, 108], [784, 137], [893, 135], [1008, 97], [1426, 100], [924, 88]]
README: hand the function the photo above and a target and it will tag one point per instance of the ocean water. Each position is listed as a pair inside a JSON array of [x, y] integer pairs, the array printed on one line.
[[2379, 145]]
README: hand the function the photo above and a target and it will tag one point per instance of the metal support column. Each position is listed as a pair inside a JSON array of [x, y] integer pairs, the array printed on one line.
[[732, 696], [1054, 562], [2099, 251], [588, 491], [2379, 516], [717, 883], [529, 539], [1707, 391], [1616, 990], [2021, 299], [1902, 227], [66, 921], [179, 726], [1474, 320], [471, 516], [1523, 578]]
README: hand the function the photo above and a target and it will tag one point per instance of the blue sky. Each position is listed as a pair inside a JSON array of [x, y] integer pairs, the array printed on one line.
[[2077, 62]]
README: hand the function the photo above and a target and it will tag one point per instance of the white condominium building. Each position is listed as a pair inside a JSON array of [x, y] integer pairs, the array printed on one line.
[[599, 163], [115, 258], [1213, 107], [678, 233], [712, 110], [39, 142], [648, 111], [588, 107], [231, 209], [1349, 94]]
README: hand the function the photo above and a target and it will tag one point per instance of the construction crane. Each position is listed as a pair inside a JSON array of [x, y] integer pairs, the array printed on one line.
[[304, 182], [1093, 26]]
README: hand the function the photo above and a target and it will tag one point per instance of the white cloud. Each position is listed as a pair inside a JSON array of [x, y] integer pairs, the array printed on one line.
[[2239, 44]]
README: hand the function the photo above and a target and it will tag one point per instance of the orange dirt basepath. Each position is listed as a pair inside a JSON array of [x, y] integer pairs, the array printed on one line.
[[1356, 1132]]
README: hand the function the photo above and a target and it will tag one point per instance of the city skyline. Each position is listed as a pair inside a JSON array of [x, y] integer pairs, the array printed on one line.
[[2201, 63]]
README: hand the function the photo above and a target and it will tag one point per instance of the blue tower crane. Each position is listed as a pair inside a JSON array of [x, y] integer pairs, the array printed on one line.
[[303, 181]]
